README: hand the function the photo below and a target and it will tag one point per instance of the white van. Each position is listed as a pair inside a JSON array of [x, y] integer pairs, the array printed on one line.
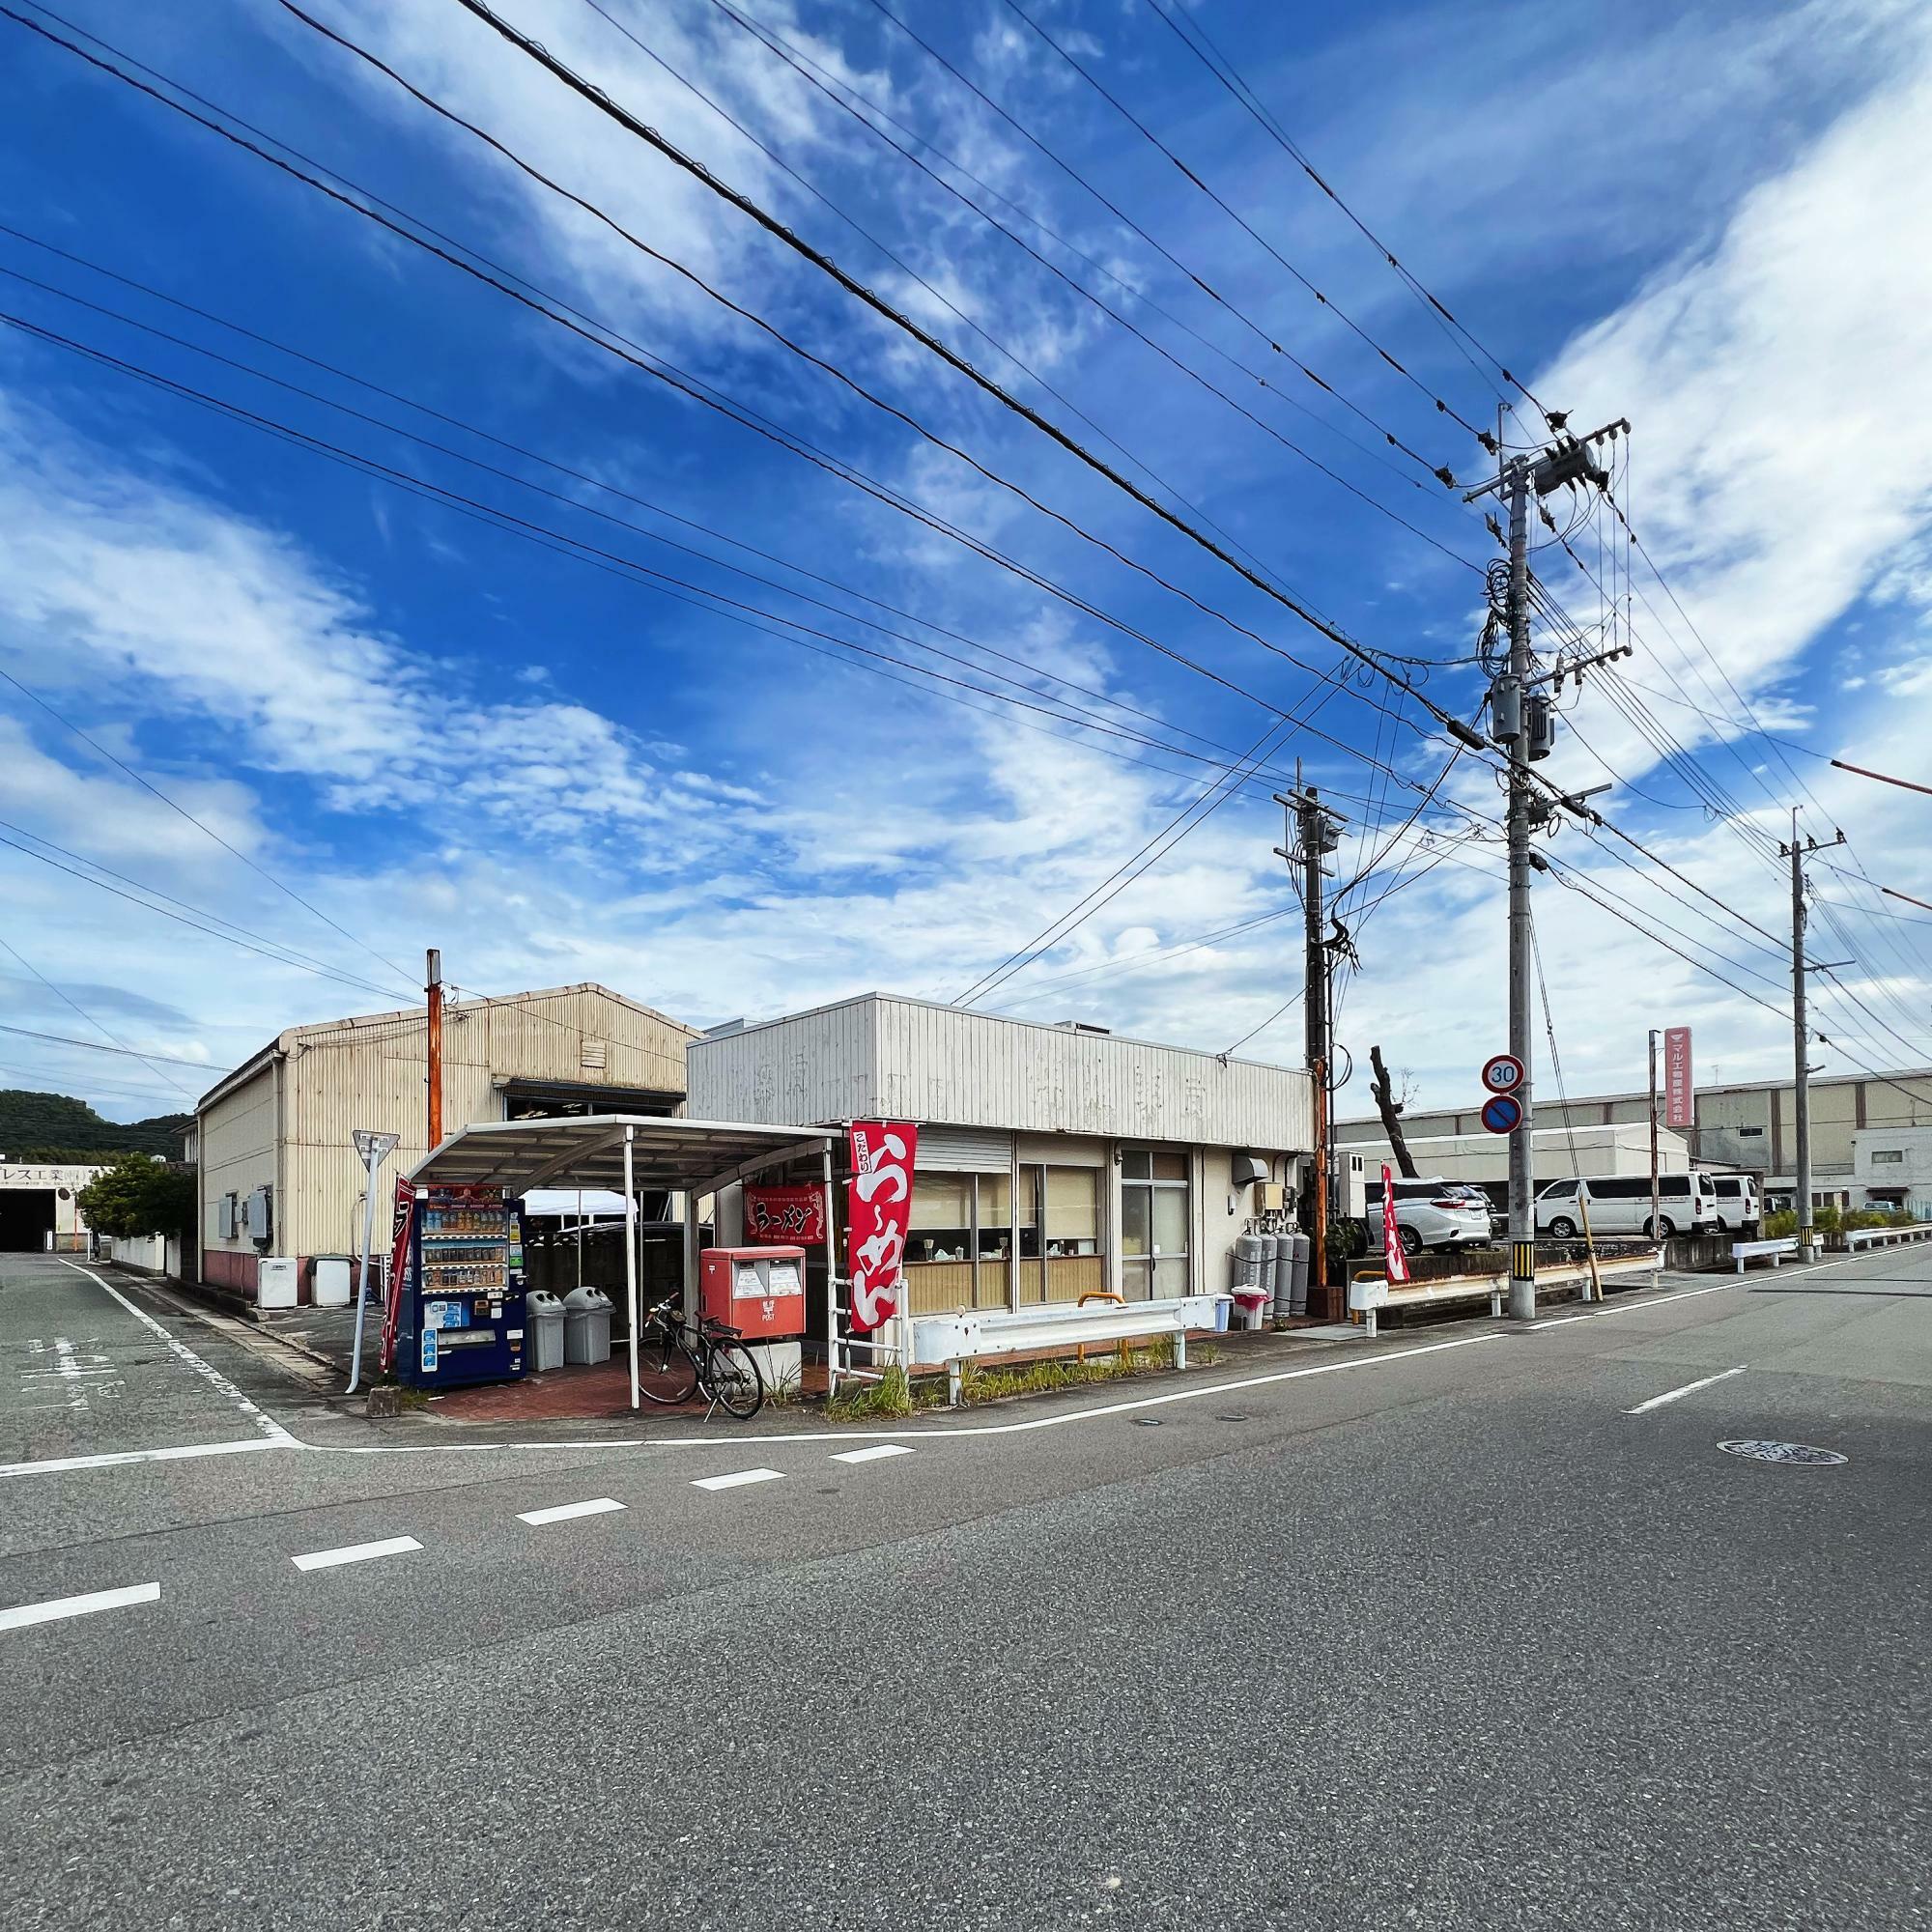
[[1740, 1210], [1620, 1205]]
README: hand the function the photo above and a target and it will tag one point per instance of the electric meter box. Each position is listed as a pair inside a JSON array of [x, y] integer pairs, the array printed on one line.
[[759, 1291]]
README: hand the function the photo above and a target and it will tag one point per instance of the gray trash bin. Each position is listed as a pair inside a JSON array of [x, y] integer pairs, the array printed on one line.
[[543, 1318], [586, 1325]]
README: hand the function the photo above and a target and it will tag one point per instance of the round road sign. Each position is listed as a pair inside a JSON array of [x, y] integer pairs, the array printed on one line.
[[1502, 1114], [1502, 1073]]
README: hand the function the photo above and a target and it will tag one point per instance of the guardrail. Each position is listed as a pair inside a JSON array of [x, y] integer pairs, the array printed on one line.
[[969, 1333], [1856, 1238], [1369, 1294], [1773, 1250]]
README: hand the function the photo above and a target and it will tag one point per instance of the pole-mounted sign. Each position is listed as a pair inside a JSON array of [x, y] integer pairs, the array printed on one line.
[[1502, 1073], [1502, 1114]]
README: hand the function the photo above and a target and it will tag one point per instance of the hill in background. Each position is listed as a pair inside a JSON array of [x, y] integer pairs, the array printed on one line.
[[58, 1128]]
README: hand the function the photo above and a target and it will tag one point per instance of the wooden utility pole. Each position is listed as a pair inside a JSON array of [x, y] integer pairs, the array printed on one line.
[[433, 990]]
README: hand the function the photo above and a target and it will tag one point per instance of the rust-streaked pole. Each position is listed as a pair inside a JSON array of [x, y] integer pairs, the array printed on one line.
[[433, 989]]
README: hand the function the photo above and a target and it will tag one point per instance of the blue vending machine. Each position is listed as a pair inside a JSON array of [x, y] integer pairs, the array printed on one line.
[[461, 1317]]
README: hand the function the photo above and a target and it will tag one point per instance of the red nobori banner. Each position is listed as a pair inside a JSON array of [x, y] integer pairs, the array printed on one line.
[[878, 1208], [1395, 1258], [789, 1217], [1680, 1102], [399, 1268]]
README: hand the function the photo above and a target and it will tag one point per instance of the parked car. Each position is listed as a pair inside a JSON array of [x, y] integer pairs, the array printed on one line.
[[1497, 1212], [1432, 1214], [1620, 1205], [1740, 1207]]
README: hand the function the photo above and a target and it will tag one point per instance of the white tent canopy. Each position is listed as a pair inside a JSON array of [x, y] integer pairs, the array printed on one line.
[[624, 1152]]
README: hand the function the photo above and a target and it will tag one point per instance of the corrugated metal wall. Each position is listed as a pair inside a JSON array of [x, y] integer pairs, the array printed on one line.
[[374, 1077], [908, 1060], [236, 1154]]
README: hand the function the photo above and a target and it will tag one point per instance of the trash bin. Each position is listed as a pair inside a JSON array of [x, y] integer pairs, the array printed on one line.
[[586, 1325], [544, 1318]]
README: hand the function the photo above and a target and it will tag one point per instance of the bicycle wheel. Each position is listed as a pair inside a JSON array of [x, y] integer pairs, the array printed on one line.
[[733, 1380], [667, 1373]]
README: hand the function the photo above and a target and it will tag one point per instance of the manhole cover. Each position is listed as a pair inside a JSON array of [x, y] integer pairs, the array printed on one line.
[[1783, 1452]]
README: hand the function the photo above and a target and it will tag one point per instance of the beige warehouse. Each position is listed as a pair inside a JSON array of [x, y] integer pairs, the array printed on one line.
[[279, 1174]]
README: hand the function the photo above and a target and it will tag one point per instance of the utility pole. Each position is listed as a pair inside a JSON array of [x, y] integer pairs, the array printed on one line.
[[1797, 852], [1313, 833], [1523, 721], [432, 1035], [1656, 1204]]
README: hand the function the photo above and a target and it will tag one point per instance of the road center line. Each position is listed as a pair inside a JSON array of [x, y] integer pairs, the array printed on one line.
[[876, 1453], [114, 1458], [1688, 1388], [737, 1478], [355, 1552], [568, 1512], [213, 1376], [79, 1606]]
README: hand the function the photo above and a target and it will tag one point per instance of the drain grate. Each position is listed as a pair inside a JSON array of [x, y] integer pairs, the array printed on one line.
[[1784, 1452]]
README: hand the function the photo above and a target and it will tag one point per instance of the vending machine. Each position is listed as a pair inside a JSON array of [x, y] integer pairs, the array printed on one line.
[[461, 1313]]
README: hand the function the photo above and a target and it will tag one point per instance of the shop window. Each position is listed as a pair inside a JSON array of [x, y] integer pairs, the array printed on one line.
[[1060, 1254], [1155, 1212], [959, 1237]]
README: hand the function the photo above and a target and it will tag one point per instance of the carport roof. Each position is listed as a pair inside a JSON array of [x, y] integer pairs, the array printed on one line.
[[588, 1151]]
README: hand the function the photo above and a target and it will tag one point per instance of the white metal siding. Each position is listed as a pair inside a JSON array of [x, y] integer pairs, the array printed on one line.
[[908, 1060]]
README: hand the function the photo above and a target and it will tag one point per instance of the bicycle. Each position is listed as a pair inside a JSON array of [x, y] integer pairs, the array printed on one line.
[[684, 1361]]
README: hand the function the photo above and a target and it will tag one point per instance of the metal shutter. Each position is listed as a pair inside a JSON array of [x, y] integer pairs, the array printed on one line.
[[963, 1151]]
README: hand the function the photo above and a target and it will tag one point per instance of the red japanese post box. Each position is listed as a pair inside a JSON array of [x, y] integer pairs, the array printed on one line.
[[759, 1291]]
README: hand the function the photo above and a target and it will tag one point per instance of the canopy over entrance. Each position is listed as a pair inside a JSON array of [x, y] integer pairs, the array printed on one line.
[[625, 1153]]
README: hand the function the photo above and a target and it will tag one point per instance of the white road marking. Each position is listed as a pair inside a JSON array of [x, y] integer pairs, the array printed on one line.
[[737, 1478], [79, 1606], [187, 1451], [211, 1375], [1634, 1307], [876, 1453], [566, 1511], [355, 1552], [1688, 1388]]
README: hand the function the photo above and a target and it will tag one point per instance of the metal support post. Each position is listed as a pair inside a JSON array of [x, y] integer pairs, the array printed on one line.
[[631, 1254], [374, 1149], [1522, 1172], [1797, 850], [1656, 1201]]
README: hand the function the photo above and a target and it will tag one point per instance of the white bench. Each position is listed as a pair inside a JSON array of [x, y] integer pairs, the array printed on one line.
[[1370, 1292], [969, 1333], [1872, 1238], [1773, 1250]]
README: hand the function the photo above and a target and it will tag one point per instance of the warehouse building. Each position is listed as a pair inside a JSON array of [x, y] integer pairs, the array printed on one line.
[[1052, 1161], [280, 1182], [39, 1209]]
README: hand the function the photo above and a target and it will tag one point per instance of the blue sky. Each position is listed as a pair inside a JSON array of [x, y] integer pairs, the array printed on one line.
[[432, 730]]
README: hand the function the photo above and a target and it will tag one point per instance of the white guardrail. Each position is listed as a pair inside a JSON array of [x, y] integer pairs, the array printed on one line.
[[1856, 1238], [1773, 1250], [1370, 1292], [967, 1333]]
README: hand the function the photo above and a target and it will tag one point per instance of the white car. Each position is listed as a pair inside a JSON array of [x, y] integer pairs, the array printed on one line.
[[1431, 1214], [1619, 1203], [1740, 1207]]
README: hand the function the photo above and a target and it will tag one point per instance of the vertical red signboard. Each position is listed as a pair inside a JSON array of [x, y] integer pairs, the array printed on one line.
[[1395, 1259], [1679, 1094], [878, 1210], [399, 1267]]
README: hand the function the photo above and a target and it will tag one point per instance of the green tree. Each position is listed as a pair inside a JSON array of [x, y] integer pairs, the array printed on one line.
[[140, 1195]]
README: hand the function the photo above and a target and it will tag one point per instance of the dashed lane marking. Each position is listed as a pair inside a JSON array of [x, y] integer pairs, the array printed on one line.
[[877, 1453], [567, 1512], [355, 1552], [59, 1608], [737, 1478], [1688, 1388]]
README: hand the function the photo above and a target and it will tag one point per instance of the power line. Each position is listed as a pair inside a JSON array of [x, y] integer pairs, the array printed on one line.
[[107, 1033], [704, 394], [1247, 228], [126, 1052], [818, 259]]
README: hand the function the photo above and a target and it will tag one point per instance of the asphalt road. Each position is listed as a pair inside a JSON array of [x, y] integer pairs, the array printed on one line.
[[1466, 1628]]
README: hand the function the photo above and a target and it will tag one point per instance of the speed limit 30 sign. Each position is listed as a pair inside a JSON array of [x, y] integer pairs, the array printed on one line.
[[1502, 1073]]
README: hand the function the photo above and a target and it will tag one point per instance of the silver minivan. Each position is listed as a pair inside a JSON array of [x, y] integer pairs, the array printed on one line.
[[1620, 1205]]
